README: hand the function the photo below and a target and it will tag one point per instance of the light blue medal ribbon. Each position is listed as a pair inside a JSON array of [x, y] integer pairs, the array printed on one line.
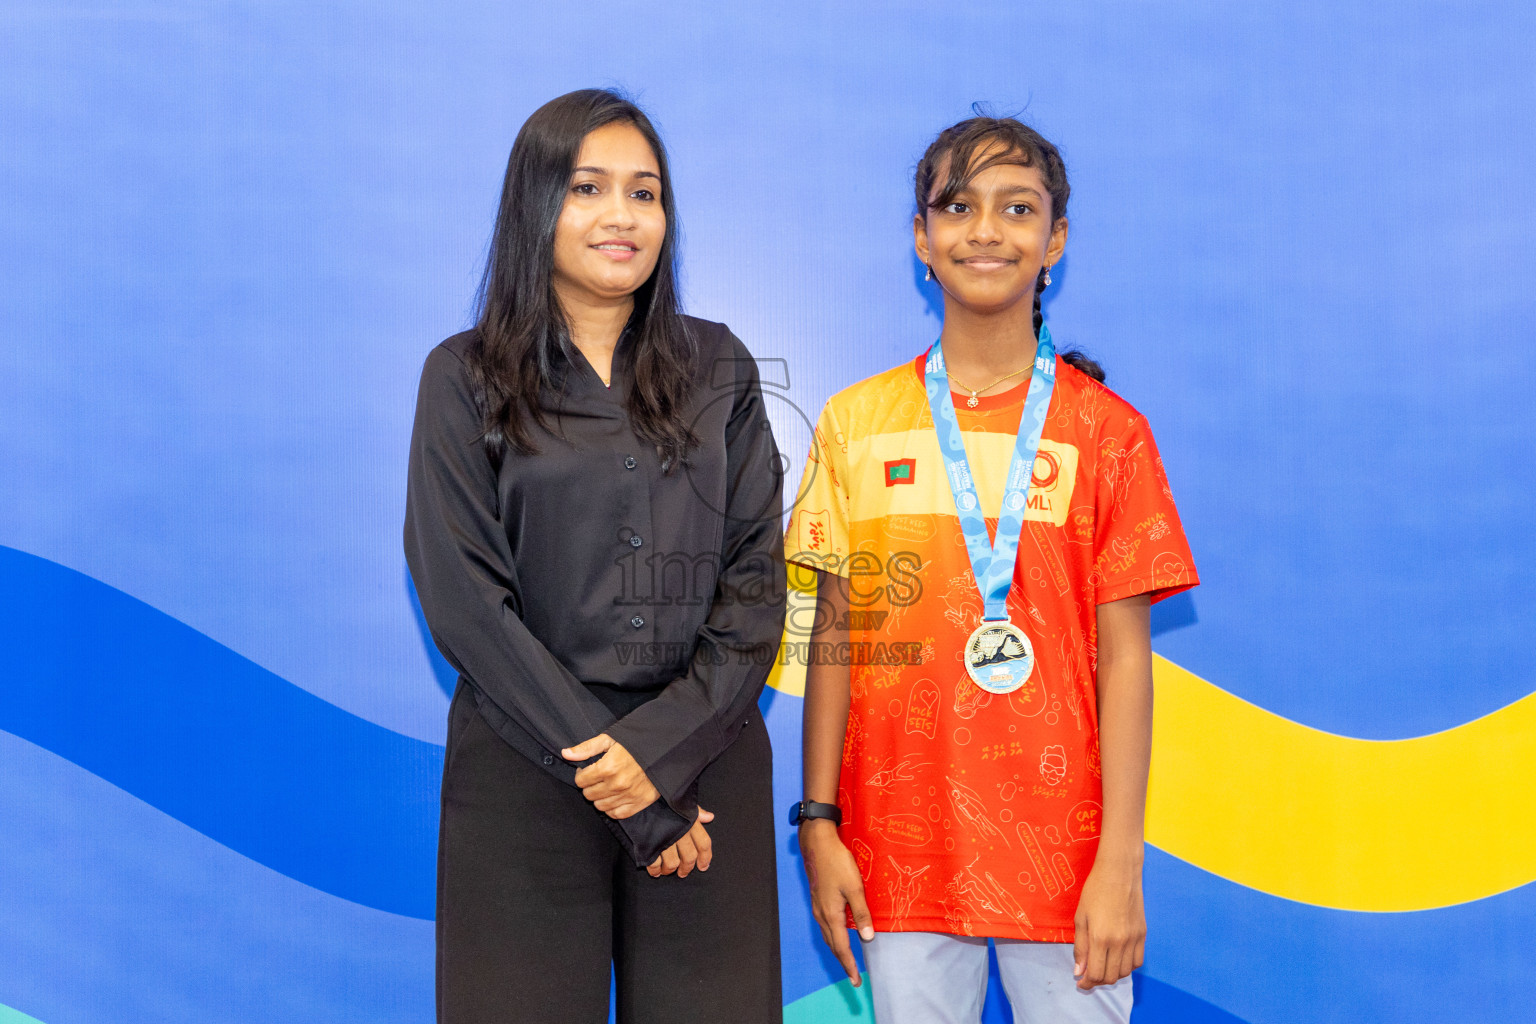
[[998, 655]]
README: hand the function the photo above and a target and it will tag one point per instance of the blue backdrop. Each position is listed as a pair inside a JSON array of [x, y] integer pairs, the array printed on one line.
[[1301, 244]]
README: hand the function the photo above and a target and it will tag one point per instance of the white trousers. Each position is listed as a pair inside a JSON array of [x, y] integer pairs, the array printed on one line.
[[932, 978]]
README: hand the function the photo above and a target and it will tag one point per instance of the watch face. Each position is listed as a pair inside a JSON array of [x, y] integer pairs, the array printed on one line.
[[794, 813]]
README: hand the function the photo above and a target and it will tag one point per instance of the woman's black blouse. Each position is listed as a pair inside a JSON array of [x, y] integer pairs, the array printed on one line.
[[582, 589]]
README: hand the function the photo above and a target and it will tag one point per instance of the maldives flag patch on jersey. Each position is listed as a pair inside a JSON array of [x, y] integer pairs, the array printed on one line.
[[900, 471]]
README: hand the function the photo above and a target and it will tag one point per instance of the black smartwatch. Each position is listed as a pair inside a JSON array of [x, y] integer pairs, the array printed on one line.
[[808, 809]]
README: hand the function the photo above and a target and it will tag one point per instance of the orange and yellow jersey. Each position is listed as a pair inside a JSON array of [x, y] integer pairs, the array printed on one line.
[[972, 813]]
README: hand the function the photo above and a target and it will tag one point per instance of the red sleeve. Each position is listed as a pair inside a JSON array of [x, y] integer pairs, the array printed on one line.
[[1138, 544]]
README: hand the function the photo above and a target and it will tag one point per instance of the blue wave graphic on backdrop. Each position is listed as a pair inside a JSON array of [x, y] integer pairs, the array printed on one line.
[[347, 807], [1269, 959], [112, 912], [1156, 1001], [216, 741]]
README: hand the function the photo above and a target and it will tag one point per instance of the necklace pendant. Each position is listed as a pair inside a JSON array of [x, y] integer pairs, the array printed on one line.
[[973, 401]]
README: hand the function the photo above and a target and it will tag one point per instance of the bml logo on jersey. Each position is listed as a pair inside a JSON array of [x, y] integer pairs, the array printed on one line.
[[1050, 487], [900, 471]]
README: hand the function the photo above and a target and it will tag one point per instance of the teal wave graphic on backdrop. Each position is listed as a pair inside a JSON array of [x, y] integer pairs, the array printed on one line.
[[216, 741]]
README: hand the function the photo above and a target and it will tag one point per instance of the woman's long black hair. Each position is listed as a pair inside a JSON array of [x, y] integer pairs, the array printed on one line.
[[1016, 143], [524, 342]]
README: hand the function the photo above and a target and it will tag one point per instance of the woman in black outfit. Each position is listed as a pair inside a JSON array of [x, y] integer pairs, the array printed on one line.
[[593, 527]]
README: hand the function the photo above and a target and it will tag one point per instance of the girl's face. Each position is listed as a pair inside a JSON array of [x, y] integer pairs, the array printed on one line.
[[611, 228], [986, 247]]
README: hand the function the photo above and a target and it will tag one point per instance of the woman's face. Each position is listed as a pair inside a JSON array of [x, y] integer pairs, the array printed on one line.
[[987, 246], [611, 227]]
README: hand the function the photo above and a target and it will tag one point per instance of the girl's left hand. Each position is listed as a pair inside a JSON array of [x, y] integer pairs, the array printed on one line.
[[1111, 925], [615, 783]]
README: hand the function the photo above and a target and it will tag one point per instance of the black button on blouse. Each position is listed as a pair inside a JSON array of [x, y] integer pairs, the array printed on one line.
[[532, 580]]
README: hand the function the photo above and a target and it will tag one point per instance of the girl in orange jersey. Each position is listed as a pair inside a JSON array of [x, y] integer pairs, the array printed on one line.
[[996, 512]]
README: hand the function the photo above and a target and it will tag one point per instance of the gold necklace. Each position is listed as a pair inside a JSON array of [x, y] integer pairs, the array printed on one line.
[[974, 400]]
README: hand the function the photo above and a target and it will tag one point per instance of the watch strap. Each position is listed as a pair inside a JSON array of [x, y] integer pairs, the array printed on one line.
[[807, 809]]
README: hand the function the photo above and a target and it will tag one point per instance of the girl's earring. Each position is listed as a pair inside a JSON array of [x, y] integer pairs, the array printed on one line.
[[929, 276], [1047, 275]]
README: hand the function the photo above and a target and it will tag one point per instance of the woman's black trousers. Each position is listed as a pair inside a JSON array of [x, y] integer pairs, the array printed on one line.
[[536, 900]]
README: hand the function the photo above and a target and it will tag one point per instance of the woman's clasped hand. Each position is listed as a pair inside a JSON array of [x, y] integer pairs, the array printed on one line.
[[615, 782], [694, 850], [619, 787]]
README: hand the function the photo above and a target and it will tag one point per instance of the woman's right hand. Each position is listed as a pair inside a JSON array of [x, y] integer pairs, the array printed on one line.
[[693, 850], [836, 889]]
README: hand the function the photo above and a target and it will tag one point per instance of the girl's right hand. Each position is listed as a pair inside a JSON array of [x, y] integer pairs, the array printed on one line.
[[693, 850], [836, 889]]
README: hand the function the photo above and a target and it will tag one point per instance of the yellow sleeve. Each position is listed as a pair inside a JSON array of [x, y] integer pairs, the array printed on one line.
[[817, 536]]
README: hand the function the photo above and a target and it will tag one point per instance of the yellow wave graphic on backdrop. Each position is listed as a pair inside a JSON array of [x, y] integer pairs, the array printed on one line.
[[1373, 825], [1381, 825]]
